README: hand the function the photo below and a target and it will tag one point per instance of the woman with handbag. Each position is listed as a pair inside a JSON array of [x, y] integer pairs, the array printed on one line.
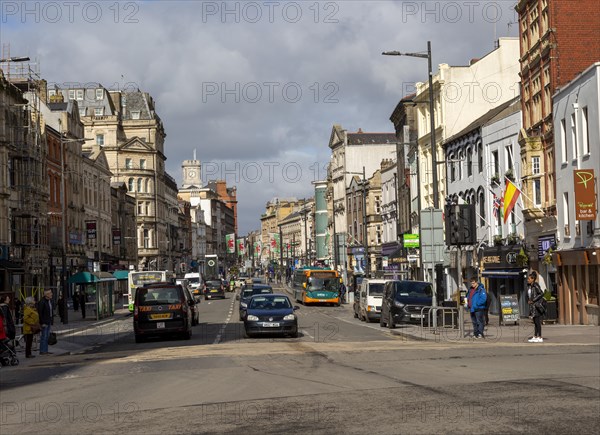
[[31, 324], [537, 306]]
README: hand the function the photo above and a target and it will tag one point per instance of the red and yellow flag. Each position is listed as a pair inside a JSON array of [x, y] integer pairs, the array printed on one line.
[[511, 194]]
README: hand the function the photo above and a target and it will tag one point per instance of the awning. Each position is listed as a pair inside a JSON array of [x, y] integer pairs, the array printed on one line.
[[83, 278], [10, 265], [121, 274], [104, 276], [503, 273]]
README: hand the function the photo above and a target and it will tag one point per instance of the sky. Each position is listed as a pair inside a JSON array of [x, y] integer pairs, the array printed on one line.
[[254, 88]]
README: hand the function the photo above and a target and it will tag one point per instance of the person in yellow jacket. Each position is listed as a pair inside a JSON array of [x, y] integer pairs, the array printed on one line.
[[31, 324]]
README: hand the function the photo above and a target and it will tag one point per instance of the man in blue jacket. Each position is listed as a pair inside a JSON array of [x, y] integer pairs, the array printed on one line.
[[476, 302]]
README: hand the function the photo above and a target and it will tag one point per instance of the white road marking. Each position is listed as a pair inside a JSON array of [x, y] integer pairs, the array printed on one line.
[[222, 330]]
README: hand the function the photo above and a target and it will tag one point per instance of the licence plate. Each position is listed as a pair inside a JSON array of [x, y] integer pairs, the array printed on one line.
[[214, 291], [322, 300], [160, 325], [160, 316], [270, 324], [417, 316]]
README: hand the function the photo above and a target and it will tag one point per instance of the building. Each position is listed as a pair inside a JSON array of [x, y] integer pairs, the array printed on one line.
[[558, 39], [577, 249]]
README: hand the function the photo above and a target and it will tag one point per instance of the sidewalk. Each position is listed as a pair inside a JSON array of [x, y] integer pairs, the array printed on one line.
[[78, 335]]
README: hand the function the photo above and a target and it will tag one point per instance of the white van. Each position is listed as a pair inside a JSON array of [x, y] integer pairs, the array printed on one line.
[[195, 283], [371, 295]]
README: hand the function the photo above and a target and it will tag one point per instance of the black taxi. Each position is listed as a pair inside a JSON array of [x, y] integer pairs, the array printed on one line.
[[162, 309]]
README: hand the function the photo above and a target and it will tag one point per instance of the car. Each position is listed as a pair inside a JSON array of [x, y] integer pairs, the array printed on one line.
[[195, 306], [271, 314], [247, 293], [403, 301], [214, 289], [161, 309], [370, 294]]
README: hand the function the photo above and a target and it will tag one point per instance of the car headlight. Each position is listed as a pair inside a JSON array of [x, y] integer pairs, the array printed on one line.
[[252, 318], [243, 305], [398, 304], [371, 308], [289, 317]]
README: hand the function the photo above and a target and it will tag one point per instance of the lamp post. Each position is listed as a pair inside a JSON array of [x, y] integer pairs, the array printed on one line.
[[431, 116]]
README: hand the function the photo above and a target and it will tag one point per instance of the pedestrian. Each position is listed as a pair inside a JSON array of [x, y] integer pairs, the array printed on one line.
[[537, 306], [31, 324], [476, 302], [9, 322], [18, 311], [82, 302], [342, 293], [60, 303], [46, 316], [75, 300]]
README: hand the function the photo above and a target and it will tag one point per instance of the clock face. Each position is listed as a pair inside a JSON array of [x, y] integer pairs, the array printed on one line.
[[192, 174]]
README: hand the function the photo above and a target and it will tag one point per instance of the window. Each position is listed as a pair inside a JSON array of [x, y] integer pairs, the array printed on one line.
[[496, 163], [481, 209], [469, 163], [480, 157], [130, 185], [146, 238], [79, 94], [563, 139], [535, 165], [51, 92], [100, 139], [140, 208], [71, 94], [128, 163], [82, 111], [139, 185], [147, 186], [460, 169], [99, 94], [142, 163], [377, 205], [135, 114], [452, 168], [99, 111], [585, 132], [574, 135], [566, 214], [537, 192]]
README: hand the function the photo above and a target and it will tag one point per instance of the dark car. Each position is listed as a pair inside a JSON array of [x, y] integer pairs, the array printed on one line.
[[248, 292], [160, 309], [271, 314], [214, 289], [403, 301], [195, 306]]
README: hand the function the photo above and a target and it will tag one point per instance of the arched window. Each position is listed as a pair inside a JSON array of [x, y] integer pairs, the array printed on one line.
[[481, 209], [469, 162], [452, 168], [147, 187], [480, 157], [130, 185], [139, 185]]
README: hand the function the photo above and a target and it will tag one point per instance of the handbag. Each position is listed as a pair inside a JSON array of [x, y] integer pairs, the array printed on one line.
[[35, 328], [52, 339]]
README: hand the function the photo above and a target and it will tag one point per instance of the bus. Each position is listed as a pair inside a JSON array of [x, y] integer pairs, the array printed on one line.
[[313, 285], [138, 279]]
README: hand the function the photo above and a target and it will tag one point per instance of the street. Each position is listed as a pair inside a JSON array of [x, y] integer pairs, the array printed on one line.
[[340, 376]]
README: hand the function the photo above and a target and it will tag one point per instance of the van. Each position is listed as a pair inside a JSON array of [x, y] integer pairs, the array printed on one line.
[[195, 283], [403, 302], [160, 309], [370, 294]]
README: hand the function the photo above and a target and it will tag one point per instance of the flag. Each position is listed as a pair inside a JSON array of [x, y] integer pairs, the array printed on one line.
[[241, 246], [257, 248], [511, 194], [496, 205], [230, 242], [274, 243]]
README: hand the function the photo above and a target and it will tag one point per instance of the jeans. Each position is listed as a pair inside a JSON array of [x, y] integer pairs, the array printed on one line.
[[537, 322], [478, 319], [45, 333]]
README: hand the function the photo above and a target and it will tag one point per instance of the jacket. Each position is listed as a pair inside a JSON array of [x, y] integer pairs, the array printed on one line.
[[2, 333], [537, 298], [45, 311], [9, 323], [479, 299], [30, 317]]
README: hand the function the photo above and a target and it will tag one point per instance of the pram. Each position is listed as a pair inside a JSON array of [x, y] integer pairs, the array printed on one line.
[[8, 356]]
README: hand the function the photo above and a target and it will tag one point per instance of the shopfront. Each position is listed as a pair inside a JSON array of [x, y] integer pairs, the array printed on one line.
[[504, 273]]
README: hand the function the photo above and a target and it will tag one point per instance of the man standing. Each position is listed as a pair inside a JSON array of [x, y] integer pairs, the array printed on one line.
[[476, 302], [45, 311]]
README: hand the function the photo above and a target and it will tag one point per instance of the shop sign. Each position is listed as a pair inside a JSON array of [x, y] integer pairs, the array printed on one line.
[[90, 227], [500, 257], [544, 244], [585, 194], [411, 240]]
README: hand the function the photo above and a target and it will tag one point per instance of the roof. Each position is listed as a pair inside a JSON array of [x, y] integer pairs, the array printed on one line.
[[496, 113], [371, 138]]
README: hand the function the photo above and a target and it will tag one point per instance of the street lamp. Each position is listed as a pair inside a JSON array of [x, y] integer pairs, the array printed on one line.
[[431, 117]]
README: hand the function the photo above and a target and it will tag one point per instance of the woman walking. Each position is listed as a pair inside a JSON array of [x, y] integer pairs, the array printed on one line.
[[31, 324], [536, 306]]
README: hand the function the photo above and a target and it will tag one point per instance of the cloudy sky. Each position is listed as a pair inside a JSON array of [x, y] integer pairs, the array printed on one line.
[[254, 87]]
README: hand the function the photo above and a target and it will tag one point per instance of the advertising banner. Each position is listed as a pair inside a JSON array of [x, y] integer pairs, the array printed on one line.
[[90, 227], [230, 242], [241, 246]]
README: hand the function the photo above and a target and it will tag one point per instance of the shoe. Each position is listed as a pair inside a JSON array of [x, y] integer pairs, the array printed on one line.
[[533, 340], [540, 340]]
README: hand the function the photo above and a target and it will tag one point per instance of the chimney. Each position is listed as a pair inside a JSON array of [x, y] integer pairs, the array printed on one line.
[[359, 130]]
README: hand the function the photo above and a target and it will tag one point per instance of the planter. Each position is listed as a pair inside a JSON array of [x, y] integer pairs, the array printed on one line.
[[551, 315]]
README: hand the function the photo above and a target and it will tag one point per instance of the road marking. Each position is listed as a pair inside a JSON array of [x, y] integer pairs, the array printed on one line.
[[222, 330]]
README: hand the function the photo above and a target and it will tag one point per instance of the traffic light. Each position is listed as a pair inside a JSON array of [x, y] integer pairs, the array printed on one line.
[[460, 225]]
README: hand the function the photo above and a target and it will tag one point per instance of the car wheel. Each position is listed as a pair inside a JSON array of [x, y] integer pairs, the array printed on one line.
[[139, 339]]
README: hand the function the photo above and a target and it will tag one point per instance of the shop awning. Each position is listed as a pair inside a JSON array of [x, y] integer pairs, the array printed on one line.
[[104, 276], [503, 273], [121, 274], [82, 278]]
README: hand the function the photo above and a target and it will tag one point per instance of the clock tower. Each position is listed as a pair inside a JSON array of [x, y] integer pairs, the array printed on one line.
[[191, 173]]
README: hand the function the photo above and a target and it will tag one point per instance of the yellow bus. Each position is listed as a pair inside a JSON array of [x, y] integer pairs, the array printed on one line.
[[138, 279], [314, 285]]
